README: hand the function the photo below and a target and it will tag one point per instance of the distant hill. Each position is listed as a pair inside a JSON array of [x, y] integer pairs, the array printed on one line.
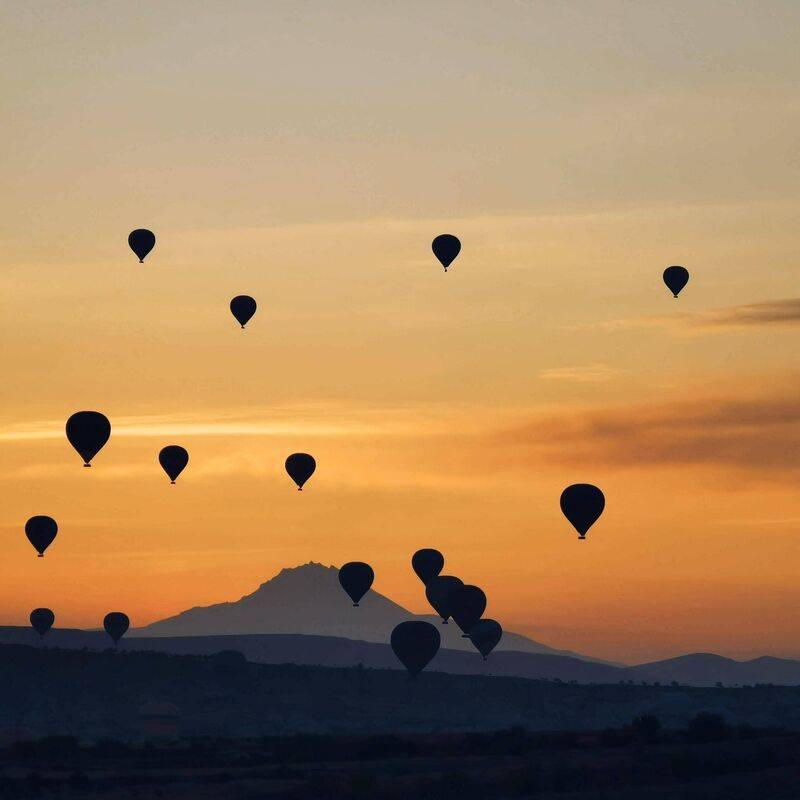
[[706, 669], [106, 694], [309, 600]]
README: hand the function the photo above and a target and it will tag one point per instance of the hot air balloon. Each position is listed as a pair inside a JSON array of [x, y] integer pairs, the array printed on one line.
[[485, 635], [466, 607], [40, 532], [116, 624], [42, 620], [676, 278], [243, 307], [446, 247], [415, 643], [439, 591], [173, 459], [582, 504], [87, 432], [356, 578], [141, 241], [300, 467], [427, 563]]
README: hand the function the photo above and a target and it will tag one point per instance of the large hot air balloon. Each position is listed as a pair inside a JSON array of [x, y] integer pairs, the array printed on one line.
[[40, 532], [300, 467], [427, 563], [415, 643], [485, 634], [243, 307], [42, 620], [356, 578], [141, 241], [446, 247], [676, 278], [87, 432], [466, 607], [173, 459], [439, 591], [116, 624], [582, 505]]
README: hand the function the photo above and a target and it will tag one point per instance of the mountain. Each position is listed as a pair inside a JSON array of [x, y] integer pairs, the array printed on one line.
[[309, 600], [706, 669]]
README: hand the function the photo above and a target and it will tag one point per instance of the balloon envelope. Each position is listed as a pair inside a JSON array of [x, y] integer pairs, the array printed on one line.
[[582, 504], [243, 307], [41, 531], [356, 578], [485, 634], [173, 459], [466, 606], [87, 432], [300, 467], [141, 241], [446, 247], [42, 620], [439, 591], [427, 563], [116, 624], [415, 643], [676, 278]]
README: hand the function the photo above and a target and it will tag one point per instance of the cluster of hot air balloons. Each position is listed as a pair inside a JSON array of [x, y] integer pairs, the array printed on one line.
[[415, 642]]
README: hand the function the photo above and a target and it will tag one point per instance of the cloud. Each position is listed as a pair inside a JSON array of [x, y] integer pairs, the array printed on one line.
[[590, 373], [756, 433]]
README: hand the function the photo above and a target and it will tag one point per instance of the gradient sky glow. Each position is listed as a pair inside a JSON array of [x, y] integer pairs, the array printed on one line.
[[306, 154]]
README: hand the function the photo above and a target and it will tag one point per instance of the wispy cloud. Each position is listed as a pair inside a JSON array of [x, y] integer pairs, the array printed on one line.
[[590, 373]]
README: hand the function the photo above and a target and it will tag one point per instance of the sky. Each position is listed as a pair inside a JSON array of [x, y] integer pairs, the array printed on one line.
[[307, 153]]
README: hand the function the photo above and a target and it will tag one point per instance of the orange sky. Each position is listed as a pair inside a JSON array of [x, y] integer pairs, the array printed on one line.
[[307, 156]]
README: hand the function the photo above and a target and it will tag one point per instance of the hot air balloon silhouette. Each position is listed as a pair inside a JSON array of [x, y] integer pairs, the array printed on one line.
[[467, 604], [676, 278], [243, 307], [41, 531], [141, 241], [439, 591], [415, 643], [173, 459], [116, 624], [300, 467], [356, 578], [446, 247], [485, 634], [582, 504], [427, 563], [42, 620], [87, 432]]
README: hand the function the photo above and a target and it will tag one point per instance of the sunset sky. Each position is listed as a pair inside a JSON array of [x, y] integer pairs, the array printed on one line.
[[307, 153]]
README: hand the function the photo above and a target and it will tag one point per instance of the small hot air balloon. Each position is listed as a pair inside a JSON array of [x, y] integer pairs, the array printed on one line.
[[467, 606], [40, 532], [439, 591], [427, 563], [300, 467], [141, 241], [676, 278], [415, 643], [446, 247], [173, 459], [485, 635], [42, 620], [356, 578], [87, 432], [582, 504], [116, 624], [243, 307]]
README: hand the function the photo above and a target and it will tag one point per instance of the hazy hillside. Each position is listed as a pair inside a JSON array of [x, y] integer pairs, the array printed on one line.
[[89, 694], [706, 669], [308, 599]]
